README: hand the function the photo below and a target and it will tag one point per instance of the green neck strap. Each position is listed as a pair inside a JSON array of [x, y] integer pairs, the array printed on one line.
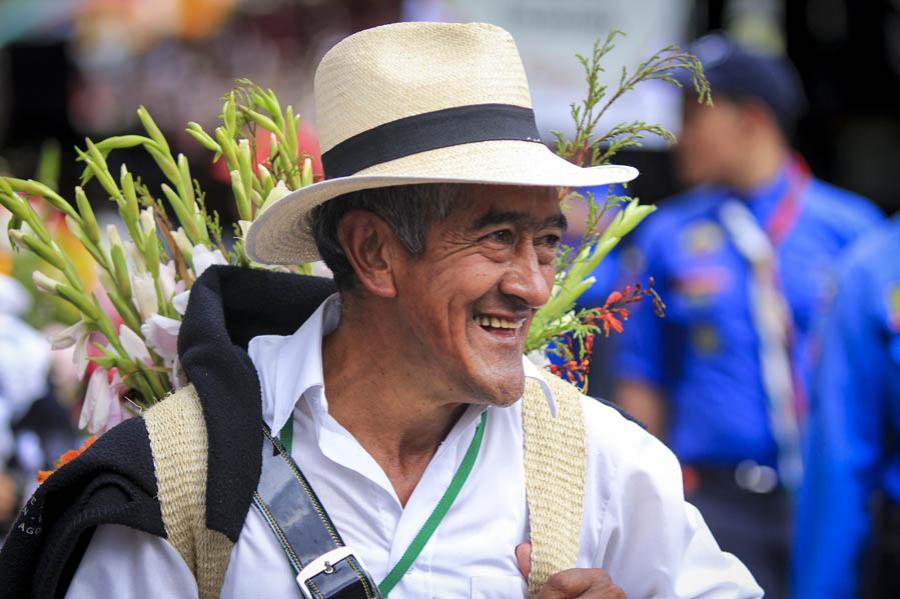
[[440, 510]]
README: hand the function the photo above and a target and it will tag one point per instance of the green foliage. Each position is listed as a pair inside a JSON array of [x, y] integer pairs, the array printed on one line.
[[558, 322], [140, 275], [587, 148]]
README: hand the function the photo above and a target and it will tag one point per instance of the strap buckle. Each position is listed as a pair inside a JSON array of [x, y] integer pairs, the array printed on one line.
[[324, 564]]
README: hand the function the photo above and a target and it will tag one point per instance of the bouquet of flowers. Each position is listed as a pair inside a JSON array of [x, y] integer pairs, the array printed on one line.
[[128, 328]]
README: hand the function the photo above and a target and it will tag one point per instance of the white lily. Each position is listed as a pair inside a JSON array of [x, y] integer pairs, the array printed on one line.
[[161, 334], [203, 258], [134, 345], [144, 293], [102, 408]]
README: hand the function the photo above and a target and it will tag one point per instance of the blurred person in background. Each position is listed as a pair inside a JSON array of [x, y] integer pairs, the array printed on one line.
[[741, 261], [852, 451], [24, 365]]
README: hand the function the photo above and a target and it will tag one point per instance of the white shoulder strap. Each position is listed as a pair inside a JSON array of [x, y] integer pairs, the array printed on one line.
[[555, 463], [178, 442]]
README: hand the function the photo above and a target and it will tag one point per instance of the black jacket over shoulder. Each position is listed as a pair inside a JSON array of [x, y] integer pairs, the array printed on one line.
[[114, 481]]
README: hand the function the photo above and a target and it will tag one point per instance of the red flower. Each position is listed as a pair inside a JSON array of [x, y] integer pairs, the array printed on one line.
[[65, 458]]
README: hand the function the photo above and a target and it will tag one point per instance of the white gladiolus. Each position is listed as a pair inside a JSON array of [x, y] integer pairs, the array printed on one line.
[[112, 235], [69, 336], [134, 345], [102, 409], [180, 301], [177, 376], [148, 222], [81, 354], [79, 336], [183, 243], [204, 258], [144, 293], [135, 256], [161, 334], [279, 191], [44, 283], [167, 283]]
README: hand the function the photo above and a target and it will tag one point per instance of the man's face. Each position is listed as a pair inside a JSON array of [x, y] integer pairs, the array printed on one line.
[[466, 303], [711, 141]]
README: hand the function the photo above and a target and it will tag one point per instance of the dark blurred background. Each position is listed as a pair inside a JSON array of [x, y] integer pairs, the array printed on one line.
[[76, 68]]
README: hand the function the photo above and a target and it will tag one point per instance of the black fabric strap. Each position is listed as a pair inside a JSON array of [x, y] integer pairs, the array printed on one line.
[[303, 529], [429, 131]]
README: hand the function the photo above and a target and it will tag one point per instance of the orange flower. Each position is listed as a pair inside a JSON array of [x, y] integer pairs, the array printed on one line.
[[65, 459], [613, 297]]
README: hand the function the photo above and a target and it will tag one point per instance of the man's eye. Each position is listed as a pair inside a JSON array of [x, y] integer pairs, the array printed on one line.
[[501, 236], [552, 241]]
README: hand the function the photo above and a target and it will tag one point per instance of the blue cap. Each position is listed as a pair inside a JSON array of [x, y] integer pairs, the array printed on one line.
[[741, 74]]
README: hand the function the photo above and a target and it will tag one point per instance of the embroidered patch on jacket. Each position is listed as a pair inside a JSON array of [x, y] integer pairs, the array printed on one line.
[[703, 237], [705, 339], [893, 305], [700, 285]]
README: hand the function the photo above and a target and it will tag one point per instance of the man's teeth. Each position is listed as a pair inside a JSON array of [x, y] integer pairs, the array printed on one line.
[[498, 323]]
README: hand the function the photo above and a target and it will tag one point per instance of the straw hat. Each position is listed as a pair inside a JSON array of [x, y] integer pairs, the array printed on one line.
[[413, 103]]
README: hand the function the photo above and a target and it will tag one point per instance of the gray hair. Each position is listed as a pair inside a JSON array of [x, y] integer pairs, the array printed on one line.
[[408, 209]]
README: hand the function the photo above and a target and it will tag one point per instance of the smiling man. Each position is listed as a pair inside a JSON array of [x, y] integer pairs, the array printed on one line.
[[383, 435]]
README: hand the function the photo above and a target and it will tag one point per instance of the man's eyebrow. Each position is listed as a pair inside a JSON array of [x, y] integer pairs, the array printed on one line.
[[493, 217], [518, 218], [556, 221]]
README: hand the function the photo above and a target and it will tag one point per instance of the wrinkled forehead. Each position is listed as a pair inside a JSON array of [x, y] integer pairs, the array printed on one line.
[[525, 207]]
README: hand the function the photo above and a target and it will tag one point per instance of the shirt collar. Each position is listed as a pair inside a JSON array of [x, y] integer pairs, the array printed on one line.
[[290, 365], [763, 198]]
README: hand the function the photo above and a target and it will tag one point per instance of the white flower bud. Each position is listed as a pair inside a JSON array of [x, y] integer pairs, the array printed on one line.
[[148, 222], [44, 283]]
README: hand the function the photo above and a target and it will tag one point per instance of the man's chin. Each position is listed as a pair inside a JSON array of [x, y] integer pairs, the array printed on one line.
[[503, 389]]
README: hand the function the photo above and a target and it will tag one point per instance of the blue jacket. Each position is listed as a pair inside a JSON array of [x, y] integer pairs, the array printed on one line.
[[704, 354], [854, 420]]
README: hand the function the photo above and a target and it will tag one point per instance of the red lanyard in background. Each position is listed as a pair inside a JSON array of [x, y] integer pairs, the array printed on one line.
[[787, 210]]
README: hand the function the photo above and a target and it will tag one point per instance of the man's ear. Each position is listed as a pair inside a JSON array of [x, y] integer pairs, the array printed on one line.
[[369, 244]]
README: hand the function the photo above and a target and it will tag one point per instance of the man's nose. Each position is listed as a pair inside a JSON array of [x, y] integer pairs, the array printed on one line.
[[527, 279]]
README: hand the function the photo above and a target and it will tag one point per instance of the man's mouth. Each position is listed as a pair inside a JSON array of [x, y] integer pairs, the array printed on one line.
[[498, 323]]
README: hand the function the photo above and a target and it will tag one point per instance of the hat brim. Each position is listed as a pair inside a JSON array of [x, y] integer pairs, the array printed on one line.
[[281, 234]]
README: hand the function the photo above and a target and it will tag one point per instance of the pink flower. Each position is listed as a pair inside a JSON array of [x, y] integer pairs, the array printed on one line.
[[161, 334], [102, 407]]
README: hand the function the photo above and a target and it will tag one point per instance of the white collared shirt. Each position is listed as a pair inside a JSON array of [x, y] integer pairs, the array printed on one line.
[[636, 523]]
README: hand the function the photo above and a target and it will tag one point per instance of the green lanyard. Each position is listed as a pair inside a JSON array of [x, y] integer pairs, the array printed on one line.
[[440, 510]]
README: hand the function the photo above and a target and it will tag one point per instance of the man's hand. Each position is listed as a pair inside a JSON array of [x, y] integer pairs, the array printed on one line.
[[577, 583]]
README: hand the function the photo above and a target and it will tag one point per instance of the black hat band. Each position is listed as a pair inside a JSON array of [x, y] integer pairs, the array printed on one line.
[[430, 131]]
